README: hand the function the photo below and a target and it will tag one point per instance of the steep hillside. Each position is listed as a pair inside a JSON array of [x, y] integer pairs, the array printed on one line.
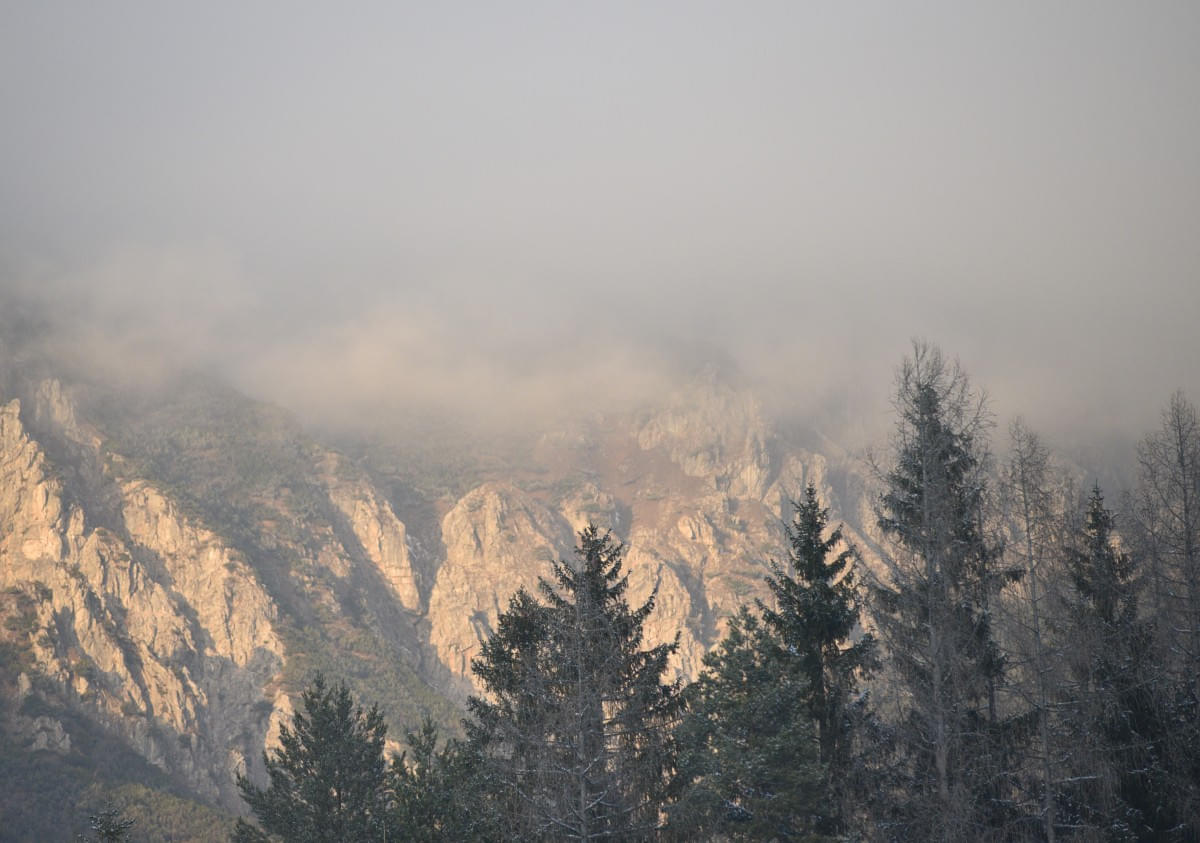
[[184, 558], [183, 579], [698, 489]]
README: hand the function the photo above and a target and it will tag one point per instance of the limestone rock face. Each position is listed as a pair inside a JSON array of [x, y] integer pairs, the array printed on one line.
[[151, 626], [46, 733], [374, 524], [497, 540], [162, 615], [54, 410], [589, 504], [30, 501], [693, 489], [716, 432], [210, 577]]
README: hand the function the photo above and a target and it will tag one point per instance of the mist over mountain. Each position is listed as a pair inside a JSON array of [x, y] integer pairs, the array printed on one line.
[[322, 332], [180, 557], [505, 217]]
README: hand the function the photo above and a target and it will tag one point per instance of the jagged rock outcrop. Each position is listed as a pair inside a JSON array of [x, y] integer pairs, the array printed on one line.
[[54, 411], [714, 431], [380, 533], [589, 504], [152, 626], [214, 580], [45, 734], [695, 494], [497, 540], [171, 616]]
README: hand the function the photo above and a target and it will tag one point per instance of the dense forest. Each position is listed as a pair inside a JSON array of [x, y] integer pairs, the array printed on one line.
[[1023, 666]]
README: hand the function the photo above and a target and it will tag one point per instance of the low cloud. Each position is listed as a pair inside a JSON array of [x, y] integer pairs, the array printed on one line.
[[510, 217]]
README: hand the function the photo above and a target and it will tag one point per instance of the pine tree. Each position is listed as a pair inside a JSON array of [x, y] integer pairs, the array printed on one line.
[[749, 764], [328, 779], [815, 614], [935, 613], [574, 733]]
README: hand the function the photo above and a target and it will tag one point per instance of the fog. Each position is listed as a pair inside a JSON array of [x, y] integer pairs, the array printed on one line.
[[499, 211]]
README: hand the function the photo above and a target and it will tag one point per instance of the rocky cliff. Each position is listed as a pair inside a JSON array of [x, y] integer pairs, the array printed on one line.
[[148, 619], [150, 623], [698, 489], [183, 563]]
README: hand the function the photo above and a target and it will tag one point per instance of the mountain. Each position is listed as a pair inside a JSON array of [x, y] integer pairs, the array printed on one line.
[[176, 561]]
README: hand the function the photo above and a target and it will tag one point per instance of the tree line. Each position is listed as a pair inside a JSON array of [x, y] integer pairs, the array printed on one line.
[[1024, 665]]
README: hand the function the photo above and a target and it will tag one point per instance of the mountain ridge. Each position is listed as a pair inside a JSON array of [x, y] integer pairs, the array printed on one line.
[[209, 554]]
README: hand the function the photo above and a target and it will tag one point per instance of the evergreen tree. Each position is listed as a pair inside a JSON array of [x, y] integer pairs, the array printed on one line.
[[574, 733], [109, 826], [1119, 784], [816, 611], [328, 778], [935, 613], [436, 791], [749, 763]]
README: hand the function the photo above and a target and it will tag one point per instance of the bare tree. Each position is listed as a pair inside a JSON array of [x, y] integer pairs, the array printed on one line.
[[1168, 512], [1166, 522], [1033, 517]]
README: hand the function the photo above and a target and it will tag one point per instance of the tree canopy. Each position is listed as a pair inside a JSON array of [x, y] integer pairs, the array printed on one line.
[[328, 780], [574, 730]]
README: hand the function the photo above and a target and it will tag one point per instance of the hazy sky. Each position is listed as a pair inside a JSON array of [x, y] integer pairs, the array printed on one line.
[[369, 206]]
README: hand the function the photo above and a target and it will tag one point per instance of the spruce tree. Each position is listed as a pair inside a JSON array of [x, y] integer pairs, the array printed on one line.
[[1120, 781], [574, 732], [436, 792], [749, 754], [816, 611], [109, 825], [328, 781], [935, 612]]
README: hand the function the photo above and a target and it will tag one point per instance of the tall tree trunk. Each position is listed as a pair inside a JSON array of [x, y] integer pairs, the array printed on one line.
[[1027, 482]]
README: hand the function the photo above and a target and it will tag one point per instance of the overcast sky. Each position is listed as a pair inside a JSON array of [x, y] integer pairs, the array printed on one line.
[[366, 206]]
